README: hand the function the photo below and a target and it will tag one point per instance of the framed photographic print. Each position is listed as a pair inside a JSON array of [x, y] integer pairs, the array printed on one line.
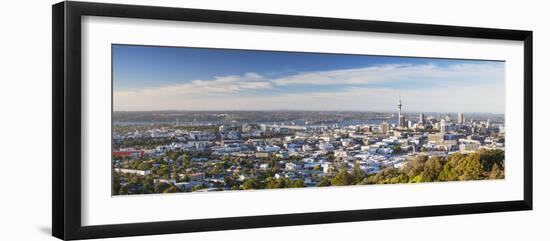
[[170, 120]]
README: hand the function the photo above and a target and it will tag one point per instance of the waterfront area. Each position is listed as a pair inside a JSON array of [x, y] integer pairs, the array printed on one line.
[[189, 119], [240, 150]]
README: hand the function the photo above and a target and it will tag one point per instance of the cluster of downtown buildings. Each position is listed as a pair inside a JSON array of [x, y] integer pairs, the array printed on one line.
[[304, 152]]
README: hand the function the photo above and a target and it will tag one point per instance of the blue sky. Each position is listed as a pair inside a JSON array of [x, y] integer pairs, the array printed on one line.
[[178, 78]]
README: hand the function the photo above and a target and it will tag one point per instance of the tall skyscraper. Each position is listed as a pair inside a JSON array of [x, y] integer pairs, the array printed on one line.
[[460, 118], [442, 126], [402, 121], [422, 119], [384, 128]]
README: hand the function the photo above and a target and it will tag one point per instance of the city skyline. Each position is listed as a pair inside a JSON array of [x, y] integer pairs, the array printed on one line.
[[194, 79]]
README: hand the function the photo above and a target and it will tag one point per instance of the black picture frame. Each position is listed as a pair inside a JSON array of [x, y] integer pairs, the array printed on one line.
[[66, 159]]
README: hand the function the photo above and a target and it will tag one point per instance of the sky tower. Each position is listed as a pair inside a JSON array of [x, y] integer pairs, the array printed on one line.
[[399, 107], [400, 117]]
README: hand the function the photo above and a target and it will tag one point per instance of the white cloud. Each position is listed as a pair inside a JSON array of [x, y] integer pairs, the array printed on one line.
[[219, 85], [396, 72], [447, 93]]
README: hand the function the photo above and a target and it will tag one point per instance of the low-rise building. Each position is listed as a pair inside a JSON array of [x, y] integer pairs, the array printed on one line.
[[133, 171]]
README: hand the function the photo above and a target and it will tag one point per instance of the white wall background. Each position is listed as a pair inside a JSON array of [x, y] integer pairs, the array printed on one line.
[[25, 119]]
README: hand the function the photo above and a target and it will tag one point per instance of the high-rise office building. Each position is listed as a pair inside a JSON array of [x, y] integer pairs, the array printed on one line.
[[384, 128], [402, 121], [442, 126], [422, 119], [460, 118]]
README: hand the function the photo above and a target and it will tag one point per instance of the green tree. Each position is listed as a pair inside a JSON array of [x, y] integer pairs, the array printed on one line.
[[402, 178], [125, 189], [161, 187], [273, 183], [324, 182], [415, 166], [297, 183], [396, 149], [250, 183], [448, 173], [198, 187], [470, 168], [490, 157], [343, 178], [134, 164], [171, 189], [173, 155], [357, 173], [386, 176], [185, 161], [497, 172], [147, 188], [144, 166], [215, 170], [229, 181], [115, 185], [163, 172], [432, 168]]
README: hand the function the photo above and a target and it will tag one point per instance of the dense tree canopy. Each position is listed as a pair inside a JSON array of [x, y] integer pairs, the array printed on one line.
[[343, 178], [482, 164]]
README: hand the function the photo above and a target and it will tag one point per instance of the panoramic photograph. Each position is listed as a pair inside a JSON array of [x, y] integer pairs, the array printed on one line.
[[187, 119]]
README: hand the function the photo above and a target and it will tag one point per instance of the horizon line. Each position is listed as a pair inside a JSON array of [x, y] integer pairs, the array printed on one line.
[[280, 110]]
